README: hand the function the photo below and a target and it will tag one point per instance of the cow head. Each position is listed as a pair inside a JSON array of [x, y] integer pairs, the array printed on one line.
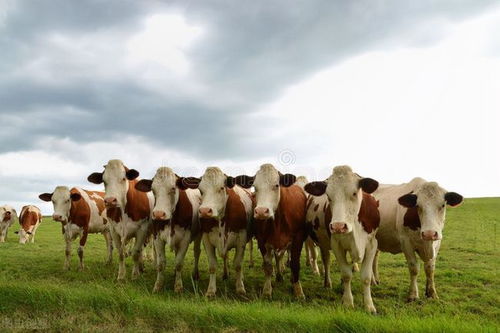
[[7, 214], [430, 200], [61, 200], [212, 186], [165, 186], [116, 177], [344, 190], [267, 182]]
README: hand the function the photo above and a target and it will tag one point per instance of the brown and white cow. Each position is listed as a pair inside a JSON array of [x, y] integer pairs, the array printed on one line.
[[80, 212], [29, 219], [8, 216], [225, 217], [128, 211], [353, 218], [279, 220], [412, 221], [175, 222]]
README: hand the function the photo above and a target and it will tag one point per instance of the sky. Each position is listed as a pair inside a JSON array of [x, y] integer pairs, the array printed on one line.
[[395, 89]]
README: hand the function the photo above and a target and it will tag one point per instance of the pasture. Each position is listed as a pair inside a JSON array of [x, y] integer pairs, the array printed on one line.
[[36, 293]]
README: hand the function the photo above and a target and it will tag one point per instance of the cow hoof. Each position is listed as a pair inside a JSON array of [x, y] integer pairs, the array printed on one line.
[[157, 289], [279, 277], [81, 268], [431, 294], [210, 294], [327, 285], [371, 309], [241, 291], [196, 276], [178, 290], [355, 267], [120, 279], [412, 298], [225, 276], [375, 282]]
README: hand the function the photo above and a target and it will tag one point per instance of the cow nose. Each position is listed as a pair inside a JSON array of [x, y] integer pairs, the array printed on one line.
[[206, 212], [57, 217], [110, 202], [261, 212], [338, 228], [430, 235], [159, 215]]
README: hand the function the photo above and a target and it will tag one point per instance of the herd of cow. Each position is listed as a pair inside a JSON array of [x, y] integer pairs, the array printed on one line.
[[345, 213]]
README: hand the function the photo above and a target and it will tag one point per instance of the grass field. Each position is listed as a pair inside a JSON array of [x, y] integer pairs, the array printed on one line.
[[35, 292]]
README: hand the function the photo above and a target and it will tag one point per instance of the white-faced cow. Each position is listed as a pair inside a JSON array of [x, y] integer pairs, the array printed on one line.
[[279, 220], [29, 219], [412, 220], [225, 217], [175, 222], [8, 216], [353, 218], [128, 211], [80, 213]]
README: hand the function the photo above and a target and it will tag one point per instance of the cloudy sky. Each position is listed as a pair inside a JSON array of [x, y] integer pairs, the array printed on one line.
[[396, 89]]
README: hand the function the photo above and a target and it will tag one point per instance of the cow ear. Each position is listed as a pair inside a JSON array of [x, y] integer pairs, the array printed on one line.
[[230, 182], [95, 178], [244, 181], [368, 185], [132, 174], [287, 179], [144, 185], [408, 200], [45, 196], [316, 188], [184, 183], [75, 196], [453, 199]]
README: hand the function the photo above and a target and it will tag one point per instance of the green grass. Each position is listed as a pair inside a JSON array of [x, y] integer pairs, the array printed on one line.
[[35, 292]]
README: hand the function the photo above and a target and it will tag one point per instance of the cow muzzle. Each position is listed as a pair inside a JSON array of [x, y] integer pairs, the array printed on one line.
[[159, 215], [338, 228], [206, 212], [430, 235], [261, 213], [110, 202], [58, 218]]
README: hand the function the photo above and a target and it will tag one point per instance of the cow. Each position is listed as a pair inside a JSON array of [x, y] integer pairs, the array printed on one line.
[[175, 222], [412, 221], [8, 216], [29, 219], [279, 220], [353, 218], [80, 213], [225, 218], [128, 211]]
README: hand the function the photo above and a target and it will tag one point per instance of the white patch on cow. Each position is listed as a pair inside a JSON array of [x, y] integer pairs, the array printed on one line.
[[213, 191], [115, 182], [267, 189]]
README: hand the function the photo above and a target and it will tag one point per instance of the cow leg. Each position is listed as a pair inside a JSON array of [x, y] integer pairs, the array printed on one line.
[[295, 253], [278, 257], [159, 245], [375, 277], [313, 256], [366, 274], [345, 273], [413, 267], [250, 243], [109, 246], [3, 234], [238, 262], [430, 289], [179, 261], [140, 238], [67, 252], [325, 257], [267, 265], [197, 252], [212, 266], [120, 247]]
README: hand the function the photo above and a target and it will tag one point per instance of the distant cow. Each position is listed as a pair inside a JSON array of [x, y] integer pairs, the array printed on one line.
[[412, 220], [175, 222], [353, 218], [8, 216], [128, 211], [225, 217], [279, 220], [29, 219], [80, 212]]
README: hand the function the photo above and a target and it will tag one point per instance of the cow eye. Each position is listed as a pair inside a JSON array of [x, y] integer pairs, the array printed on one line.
[[277, 185], [123, 179], [222, 188], [354, 194]]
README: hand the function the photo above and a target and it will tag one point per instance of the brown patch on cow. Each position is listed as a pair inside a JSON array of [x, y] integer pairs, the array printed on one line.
[[114, 214], [235, 215], [325, 207], [206, 225], [369, 215], [316, 223], [29, 218], [310, 200], [7, 216], [328, 218], [137, 207], [183, 215], [411, 219], [316, 207]]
